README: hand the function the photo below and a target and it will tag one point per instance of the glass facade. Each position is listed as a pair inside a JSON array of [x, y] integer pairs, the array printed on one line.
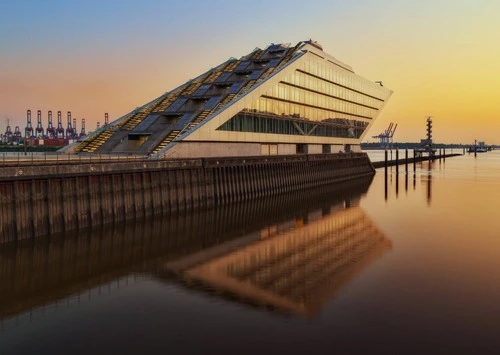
[[317, 99]]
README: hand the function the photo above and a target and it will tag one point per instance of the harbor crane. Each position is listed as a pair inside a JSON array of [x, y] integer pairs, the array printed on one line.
[[386, 136], [51, 131]]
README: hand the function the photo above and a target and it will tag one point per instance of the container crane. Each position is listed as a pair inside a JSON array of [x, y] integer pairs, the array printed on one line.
[[51, 131], [28, 130], [74, 128], [16, 137], [59, 129], [82, 132], [386, 136], [39, 128], [70, 132], [8, 131]]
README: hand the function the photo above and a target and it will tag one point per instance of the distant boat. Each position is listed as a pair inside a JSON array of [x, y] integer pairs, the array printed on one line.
[[477, 150]]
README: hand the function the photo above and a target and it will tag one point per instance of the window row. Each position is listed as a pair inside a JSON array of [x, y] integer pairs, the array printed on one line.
[[332, 72], [282, 108], [301, 96], [307, 81], [258, 123]]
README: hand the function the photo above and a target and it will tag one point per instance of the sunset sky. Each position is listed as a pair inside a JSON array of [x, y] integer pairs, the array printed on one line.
[[440, 57]]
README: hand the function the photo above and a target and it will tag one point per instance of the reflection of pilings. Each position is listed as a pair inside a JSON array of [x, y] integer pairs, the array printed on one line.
[[73, 300], [406, 182], [429, 188], [37, 271], [397, 185], [385, 187]]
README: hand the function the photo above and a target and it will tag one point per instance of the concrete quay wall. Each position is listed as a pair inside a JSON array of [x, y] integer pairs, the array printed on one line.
[[48, 199]]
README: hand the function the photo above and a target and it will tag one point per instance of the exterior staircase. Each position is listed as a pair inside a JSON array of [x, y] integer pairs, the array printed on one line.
[[169, 138]]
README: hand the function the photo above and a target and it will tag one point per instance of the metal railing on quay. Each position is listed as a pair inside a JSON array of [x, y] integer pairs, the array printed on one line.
[[47, 158]]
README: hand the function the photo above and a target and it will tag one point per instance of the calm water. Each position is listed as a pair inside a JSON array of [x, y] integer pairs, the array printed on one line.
[[407, 266]]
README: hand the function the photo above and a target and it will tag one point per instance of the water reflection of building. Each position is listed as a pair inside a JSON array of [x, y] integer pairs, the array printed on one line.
[[61, 271], [44, 271], [296, 266]]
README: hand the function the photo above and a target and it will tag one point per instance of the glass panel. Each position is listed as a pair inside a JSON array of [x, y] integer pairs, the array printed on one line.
[[211, 103]]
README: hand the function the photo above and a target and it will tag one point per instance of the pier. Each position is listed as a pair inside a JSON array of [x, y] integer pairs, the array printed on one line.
[[48, 198], [406, 160]]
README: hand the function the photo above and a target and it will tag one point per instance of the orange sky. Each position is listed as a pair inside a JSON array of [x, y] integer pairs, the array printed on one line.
[[439, 57]]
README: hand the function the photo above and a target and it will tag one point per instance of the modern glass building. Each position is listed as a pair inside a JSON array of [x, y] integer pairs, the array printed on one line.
[[280, 100]]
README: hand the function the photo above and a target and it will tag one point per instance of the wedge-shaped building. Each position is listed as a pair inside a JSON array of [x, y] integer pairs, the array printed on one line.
[[276, 101]]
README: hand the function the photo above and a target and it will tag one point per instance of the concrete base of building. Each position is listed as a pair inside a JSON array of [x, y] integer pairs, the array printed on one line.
[[186, 149]]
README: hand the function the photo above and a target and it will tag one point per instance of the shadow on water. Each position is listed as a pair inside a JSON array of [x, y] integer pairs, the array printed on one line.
[[291, 252]]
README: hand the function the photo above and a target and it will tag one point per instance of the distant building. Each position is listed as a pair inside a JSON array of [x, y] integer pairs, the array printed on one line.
[[280, 100]]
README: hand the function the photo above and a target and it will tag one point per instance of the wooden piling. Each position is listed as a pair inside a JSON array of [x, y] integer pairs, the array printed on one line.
[[397, 161], [406, 161]]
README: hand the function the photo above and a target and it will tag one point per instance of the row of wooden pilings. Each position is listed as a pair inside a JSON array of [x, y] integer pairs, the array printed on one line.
[[406, 161], [45, 201]]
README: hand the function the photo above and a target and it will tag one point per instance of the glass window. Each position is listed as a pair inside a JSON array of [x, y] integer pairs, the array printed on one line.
[[224, 77]]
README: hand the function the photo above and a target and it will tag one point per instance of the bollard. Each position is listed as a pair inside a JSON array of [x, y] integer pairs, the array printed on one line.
[[414, 161]]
